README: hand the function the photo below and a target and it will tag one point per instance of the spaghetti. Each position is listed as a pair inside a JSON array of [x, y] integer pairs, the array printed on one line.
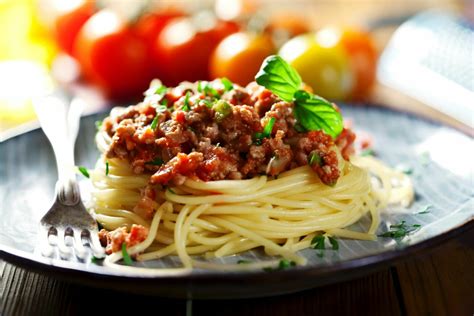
[[211, 169]]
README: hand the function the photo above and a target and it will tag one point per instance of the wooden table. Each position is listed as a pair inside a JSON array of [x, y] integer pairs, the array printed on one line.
[[439, 281]]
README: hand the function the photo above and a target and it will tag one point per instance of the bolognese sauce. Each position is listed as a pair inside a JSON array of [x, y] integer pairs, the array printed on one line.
[[210, 131]]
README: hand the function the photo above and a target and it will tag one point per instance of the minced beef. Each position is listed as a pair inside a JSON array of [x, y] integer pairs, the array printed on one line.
[[212, 134]]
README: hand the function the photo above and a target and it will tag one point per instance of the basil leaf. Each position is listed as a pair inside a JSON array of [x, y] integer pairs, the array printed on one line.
[[279, 77], [106, 168], [315, 113]]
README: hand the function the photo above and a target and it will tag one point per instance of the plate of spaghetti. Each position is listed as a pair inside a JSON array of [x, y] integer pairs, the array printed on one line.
[[208, 183]]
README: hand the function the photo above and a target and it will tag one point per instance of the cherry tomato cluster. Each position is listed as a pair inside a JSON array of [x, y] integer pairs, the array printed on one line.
[[122, 55]]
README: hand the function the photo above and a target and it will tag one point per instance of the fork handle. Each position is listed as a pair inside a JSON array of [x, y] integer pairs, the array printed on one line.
[[60, 123]]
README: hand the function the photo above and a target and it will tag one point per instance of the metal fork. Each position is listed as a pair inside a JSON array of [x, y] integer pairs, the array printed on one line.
[[67, 220]]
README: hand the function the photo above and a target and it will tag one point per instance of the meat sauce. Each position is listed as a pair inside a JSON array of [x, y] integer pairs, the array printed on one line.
[[202, 131]]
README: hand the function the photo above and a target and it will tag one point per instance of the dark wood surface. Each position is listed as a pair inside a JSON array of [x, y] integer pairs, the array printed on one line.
[[439, 281]]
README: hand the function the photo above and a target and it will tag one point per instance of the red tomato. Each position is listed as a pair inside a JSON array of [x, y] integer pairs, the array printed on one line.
[[363, 57], [150, 26], [113, 56], [183, 50], [239, 56], [69, 21]]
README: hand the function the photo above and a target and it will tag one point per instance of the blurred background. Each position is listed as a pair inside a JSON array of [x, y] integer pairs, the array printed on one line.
[[418, 53]]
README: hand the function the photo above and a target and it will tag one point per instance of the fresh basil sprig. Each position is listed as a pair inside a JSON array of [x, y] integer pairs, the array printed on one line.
[[311, 111]]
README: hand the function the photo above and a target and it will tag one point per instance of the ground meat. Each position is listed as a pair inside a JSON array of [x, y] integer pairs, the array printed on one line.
[[204, 132], [113, 240]]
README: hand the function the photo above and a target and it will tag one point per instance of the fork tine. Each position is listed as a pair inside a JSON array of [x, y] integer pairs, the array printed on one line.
[[81, 251], [44, 247], [96, 246], [64, 250]]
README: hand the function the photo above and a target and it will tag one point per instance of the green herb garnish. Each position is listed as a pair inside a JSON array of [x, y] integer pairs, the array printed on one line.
[[367, 152], [154, 123], [156, 87], [222, 109], [155, 162], [106, 168], [208, 103], [267, 130], [319, 244], [186, 106], [209, 90], [244, 261], [228, 85], [164, 102], [98, 125], [405, 169], [425, 209], [161, 108], [96, 260], [199, 86], [400, 231], [334, 243], [312, 112], [84, 171], [282, 265], [171, 190], [314, 158], [126, 257]]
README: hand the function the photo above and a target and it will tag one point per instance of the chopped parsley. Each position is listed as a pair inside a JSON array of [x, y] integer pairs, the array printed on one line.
[[405, 169], [98, 125], [244, 262], [425, 209], [171, 190], [106, 168], [207, 103], [267, 131], [319, 243], [314, 158], [282, 265], [186, 106], [228, 85], [156, 87], [367, 152], [155, 162], [161, 108], [84, 171], [154, 123], [199, 86], [126, 257], [164, 102], [210, 91], [400, 231], [96, 260], [312, 112], [334, 243]]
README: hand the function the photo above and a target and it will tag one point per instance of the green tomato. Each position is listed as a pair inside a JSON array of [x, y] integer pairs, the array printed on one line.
[[322, 64]]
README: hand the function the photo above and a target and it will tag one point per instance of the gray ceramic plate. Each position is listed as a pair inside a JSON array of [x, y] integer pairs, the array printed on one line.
[[440, 160]]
